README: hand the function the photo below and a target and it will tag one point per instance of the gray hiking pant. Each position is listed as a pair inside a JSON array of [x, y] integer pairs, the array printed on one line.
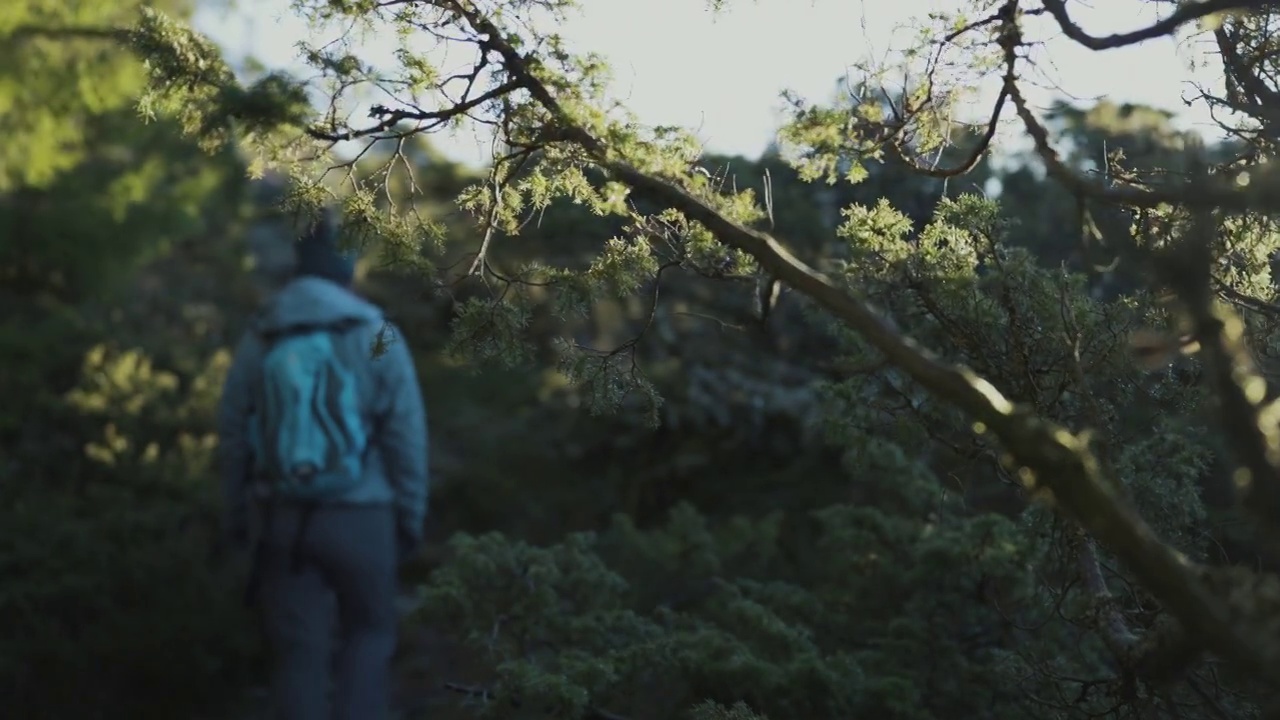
[[341, 567]]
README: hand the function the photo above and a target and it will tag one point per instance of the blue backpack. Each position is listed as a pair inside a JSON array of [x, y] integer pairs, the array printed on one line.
[[309, 437]]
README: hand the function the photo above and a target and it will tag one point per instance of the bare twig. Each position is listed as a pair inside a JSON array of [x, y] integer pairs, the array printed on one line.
[[391, 118]]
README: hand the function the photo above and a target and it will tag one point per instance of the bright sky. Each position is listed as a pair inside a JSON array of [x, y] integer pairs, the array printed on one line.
[[676, 63]]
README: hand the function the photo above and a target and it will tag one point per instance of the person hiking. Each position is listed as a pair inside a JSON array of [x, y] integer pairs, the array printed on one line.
[[323, 439]]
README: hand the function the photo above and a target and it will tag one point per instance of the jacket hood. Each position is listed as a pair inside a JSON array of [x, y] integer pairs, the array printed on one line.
[[315, 301]]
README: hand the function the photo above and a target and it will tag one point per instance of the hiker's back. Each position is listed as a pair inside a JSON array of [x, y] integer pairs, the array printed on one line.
[[334, 441], [311, 431], [318, 398]]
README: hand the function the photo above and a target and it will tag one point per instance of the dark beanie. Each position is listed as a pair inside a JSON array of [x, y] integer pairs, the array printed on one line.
[[319, 254]]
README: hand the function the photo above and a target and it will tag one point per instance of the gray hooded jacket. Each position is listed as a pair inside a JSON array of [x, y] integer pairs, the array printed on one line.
[[396, 469]]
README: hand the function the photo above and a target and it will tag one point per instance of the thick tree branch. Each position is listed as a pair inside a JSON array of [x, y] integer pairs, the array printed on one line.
[[1251, 422], [1216, 193], [1111, 624], [1247, 92], [1188, 11], [1252, 426], [1048, 456]]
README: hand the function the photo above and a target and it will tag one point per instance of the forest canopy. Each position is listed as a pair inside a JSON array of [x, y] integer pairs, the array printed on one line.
[[831, 432]]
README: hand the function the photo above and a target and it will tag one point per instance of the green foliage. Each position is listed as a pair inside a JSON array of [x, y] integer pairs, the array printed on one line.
[[106, 492], [95, 193], [716, 610], [919, 602], [608, 268], [111, 588], [49, 123], [961, 290], [133, 399], [113, 550]]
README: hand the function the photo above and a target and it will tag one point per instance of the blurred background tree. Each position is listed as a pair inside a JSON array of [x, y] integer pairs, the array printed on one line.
[[119, 265]]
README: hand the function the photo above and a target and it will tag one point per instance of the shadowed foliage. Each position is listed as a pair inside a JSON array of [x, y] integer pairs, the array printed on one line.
[[891, 421]]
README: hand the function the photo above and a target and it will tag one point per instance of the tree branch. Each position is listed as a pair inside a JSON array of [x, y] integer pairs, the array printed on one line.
[[391, 118], [1187, 11], [1109, 621], [1254, 435], [974, 157], [1048, 456], [1216, 193], [1246, 91], [1249, 419]]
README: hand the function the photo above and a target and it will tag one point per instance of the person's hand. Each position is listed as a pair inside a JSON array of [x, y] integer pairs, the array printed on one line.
[[408, 542]]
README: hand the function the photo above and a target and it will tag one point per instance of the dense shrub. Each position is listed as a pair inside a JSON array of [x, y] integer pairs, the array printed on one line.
[[113, 589]]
